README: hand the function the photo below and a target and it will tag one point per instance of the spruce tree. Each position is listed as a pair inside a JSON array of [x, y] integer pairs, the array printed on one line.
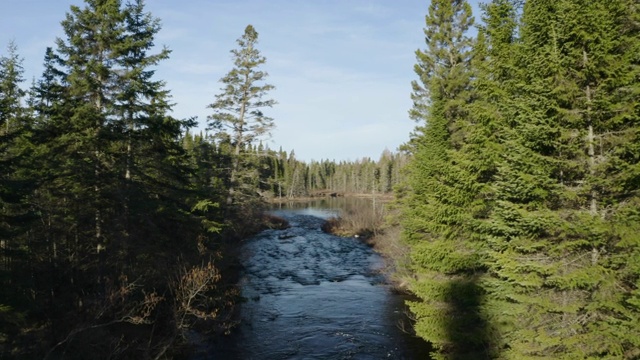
[[14, 188], [557, 284], [488, 145], [115, 183], [11, 95], [151, 163], [11, 128], [442, 195], [124, 149], [88, 53], [521, 200], [238, 108]]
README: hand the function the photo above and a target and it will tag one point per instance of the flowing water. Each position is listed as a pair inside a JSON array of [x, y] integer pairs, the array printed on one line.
[[311, 295]]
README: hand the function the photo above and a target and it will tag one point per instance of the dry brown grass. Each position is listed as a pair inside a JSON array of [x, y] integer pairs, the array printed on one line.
[[389, 244], [360, 221], [271, 221]]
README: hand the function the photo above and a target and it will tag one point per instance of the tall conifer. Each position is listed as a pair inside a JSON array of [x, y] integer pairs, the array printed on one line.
[[11, 127], [555, 244], [116, 186], [443, 191], [14, 187], [238, 109]]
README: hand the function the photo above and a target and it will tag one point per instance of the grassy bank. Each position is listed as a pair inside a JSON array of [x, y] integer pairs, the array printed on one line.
[[376, 225]]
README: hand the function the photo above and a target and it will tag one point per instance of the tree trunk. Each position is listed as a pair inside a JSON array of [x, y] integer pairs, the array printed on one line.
[[593, 208], [239, 129]]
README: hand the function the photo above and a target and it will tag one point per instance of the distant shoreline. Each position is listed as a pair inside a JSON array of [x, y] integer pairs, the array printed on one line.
[[328, 194]]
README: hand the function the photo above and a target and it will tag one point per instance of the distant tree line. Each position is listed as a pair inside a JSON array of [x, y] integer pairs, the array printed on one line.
[[522, 199], [278, 174]]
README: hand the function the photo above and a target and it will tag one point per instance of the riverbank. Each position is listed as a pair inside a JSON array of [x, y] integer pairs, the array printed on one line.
[[316, 296], [329, 194], [377, 226], [226, 288]]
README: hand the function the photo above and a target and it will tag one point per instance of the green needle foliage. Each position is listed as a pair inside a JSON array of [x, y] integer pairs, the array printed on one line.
[[556, 223], [12, 129], [116, 223], [15, 185], [523, 187], [238, 109], [443, 191]]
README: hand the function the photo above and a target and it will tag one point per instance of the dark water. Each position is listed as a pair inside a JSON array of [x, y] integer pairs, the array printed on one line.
[[311, 295]]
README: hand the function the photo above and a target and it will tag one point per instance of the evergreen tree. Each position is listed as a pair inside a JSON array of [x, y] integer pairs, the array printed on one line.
[[118, 141], [14, 187], [115, 178], [490, 144], [11, 95], [554, 108], [443, 194], [150, 160], [48, 91], [11, 127], [56, 244], [238, 109], [93, 35]]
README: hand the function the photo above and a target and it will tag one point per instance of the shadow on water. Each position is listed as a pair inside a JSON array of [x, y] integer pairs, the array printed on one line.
[[469, 334]]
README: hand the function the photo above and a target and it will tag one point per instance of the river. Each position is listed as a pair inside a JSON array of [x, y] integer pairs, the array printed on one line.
[[311, 295]]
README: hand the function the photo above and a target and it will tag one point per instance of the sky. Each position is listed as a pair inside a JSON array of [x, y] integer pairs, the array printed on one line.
[[342, 68]]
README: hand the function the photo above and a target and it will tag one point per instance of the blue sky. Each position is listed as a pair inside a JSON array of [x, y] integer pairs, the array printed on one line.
[[342, 68]]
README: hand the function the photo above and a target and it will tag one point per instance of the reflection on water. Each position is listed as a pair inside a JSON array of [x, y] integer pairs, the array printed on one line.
[[330, 205], [310, 295], [322, 213]]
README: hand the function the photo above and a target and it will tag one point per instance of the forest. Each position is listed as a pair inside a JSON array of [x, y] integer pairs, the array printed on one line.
[[522, 203], [517, 194], [278, 175], [118, 223]]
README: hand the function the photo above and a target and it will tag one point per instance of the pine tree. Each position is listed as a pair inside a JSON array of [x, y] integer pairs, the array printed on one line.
[[238, 109]]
